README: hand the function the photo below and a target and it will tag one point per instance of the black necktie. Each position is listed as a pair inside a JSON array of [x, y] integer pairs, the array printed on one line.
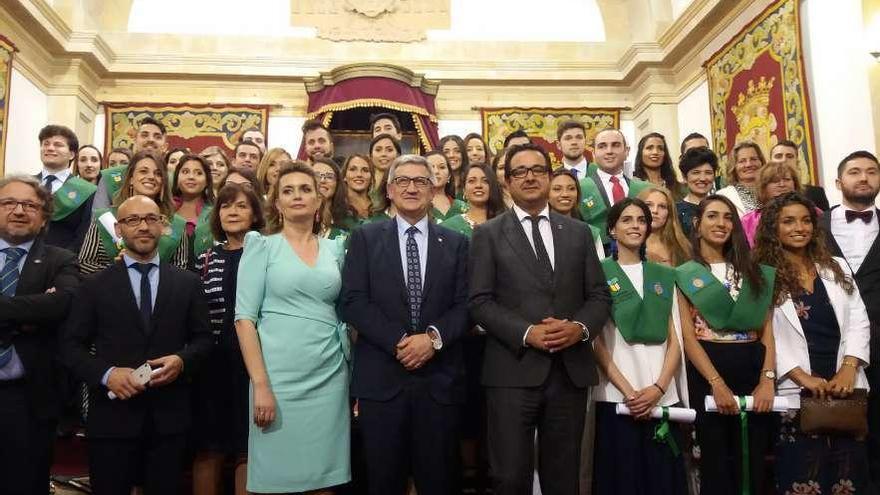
[[146, 293], [864, 216], [47, 182], [540, 249]]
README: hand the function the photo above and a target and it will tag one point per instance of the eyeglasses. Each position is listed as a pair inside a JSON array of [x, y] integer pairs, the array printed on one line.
[[403, 181], [133, 221], [9, 204], [536, 170], [326, 176]]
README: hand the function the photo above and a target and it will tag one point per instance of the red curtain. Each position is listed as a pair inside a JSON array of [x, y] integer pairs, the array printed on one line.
[[380, 92]]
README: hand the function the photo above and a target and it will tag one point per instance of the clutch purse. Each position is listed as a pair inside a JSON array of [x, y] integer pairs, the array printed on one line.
[[834, 416]]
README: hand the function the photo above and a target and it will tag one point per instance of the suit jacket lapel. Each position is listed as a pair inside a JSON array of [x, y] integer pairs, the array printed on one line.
[[874, 252], [164, 292], [122, 285], [790, 312], [559, 237], [392, 248], [520, 244], [825, 222], [595, 176], [29, 281], [435, 256]]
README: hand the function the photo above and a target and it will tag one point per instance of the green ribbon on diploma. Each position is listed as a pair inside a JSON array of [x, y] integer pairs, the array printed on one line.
[[744, 431], [663, 432]]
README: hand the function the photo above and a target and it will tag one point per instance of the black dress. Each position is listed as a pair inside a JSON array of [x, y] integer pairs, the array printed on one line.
[[819, 463], [686, 214], [221, 386]]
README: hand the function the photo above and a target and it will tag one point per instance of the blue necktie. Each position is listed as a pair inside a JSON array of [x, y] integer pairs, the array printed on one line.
[[576, 173], [47, 182], [8, 282], [413, 278], [146, 293]]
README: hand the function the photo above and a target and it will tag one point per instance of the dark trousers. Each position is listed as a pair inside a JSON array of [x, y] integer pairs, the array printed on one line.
[[719, 436], [411, 434], [26, 453], [556, 411], [154, 461], [873, 441]]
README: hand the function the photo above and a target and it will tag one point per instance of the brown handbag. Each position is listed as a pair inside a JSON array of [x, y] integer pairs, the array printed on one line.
[[835, 416]]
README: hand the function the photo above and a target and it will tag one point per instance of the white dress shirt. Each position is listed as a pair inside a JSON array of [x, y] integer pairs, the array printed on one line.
[[421, 238], [854, 238], [543, 228], [579, 168], [60, 177], [605, 179]]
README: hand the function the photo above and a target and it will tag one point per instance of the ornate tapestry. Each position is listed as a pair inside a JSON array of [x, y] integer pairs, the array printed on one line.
[[193, 126], [7, 50], [540, 124], [758, 88]]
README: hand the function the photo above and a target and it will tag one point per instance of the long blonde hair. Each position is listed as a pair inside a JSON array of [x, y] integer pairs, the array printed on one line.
[[263, 169], [126, 189], [671, 235]]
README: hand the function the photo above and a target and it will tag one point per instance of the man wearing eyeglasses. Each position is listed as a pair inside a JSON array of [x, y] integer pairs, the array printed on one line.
[[537, 288], [138, 310], [404, 289], [36, 284]]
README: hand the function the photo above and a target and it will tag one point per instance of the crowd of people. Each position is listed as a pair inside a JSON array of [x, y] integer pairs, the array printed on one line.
[[449, 323]]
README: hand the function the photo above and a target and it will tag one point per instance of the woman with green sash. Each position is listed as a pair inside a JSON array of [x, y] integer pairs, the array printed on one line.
[[192, 191], [639, 355], [565, 194], [728, 339], [146, 177], [444, 203], [484, 200], [334, 215]]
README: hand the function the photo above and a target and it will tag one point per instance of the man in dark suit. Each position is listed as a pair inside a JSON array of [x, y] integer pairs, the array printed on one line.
[[36, 284], [538, 290], [72, 196], [786, 152], [852, 229], [405, 292], [137, 310]]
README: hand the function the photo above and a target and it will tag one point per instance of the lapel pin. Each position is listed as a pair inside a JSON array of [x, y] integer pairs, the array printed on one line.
[[439, 239], [38, 261]]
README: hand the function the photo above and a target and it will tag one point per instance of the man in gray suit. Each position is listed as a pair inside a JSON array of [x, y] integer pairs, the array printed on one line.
[[538, 290]]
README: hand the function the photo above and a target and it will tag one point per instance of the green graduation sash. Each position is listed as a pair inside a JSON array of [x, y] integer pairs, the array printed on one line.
[[640, 320], [113, 177], [203, 238], [458, 224], [70, 196], [593, 208], [713, 300], [168, 242], [456, 208]]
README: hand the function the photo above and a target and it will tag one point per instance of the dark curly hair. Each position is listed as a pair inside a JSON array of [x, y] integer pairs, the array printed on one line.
[[770, 251], [736, 250]]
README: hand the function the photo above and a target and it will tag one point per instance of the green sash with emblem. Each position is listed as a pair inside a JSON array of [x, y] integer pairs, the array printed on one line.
[[168, 242], [640, 320], [70, 196], [203, 238], [714, 302], [593, 208], [113, 177]]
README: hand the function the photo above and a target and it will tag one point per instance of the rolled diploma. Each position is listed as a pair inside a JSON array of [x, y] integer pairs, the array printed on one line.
[[676, 414], [780, 404]]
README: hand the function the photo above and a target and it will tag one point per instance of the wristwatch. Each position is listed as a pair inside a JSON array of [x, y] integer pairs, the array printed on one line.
[[769, 374], [436, 341], [585, 334]]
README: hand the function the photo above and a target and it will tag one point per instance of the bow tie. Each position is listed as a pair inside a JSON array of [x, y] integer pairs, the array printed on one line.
[[864, 216]]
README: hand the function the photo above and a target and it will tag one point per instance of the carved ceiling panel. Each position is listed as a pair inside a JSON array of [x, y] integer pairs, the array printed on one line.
[[400, 21]]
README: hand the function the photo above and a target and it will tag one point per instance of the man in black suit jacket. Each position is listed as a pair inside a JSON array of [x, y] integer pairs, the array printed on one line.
[[72, 195], [36, 285], [787, 152], [541, 312], [852, 231], [135, 311], [405, 292]]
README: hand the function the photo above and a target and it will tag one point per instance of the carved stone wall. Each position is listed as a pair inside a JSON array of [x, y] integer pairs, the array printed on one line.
[[401, 21]]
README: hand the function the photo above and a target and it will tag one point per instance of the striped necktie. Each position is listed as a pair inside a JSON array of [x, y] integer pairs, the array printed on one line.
[[8, 282]]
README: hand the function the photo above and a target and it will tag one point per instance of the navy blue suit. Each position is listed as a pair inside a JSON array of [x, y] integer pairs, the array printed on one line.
[[407, 418]]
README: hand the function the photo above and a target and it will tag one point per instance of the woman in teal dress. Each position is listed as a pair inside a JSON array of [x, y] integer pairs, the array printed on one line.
[[294, 346], [444, 205]]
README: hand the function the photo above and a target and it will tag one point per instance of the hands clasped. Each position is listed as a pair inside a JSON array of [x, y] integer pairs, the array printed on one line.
[[553, 335], [413, 351]]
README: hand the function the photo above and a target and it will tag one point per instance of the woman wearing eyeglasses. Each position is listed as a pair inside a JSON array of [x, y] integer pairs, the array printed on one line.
[[146, 177], [334, 217]]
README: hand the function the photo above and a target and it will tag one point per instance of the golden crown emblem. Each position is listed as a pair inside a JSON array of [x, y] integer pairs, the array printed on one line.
[[756, 96]]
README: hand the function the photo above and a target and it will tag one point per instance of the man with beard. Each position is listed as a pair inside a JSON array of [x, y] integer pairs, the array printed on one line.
[[318, 142], [603, 187], [138, 310], [36, 285], [852, 227], [72, 196], [571, 138], [150, 136]]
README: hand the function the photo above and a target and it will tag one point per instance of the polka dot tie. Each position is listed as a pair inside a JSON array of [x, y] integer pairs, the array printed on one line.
[[413, 278]]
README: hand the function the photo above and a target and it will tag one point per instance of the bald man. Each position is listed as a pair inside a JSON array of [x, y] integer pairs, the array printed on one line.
[[139, 310]]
